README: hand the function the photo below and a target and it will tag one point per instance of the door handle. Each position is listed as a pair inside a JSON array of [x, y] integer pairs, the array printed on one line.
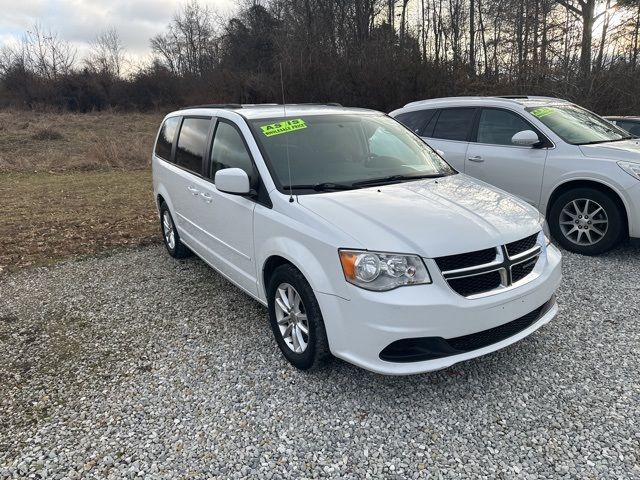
[[477, 159], [194, 191], [206, 196]]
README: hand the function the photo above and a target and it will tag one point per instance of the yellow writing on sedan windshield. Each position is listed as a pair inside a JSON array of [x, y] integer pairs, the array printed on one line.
[[285, 126], [542, 112]]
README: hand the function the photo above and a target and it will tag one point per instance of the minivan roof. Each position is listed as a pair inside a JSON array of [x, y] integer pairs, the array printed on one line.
[[273, 110]]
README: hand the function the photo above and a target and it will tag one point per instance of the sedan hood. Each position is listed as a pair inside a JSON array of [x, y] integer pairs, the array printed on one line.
[[432, 218], [628, 150]]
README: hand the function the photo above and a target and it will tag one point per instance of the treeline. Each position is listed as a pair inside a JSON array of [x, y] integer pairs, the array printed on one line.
[[374, 53]]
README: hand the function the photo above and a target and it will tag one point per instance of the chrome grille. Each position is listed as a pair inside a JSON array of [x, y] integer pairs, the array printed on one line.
[[491, 270]]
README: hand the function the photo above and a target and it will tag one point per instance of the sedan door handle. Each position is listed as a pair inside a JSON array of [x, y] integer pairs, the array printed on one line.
[[194, 191], [206, 196], [477, 159]]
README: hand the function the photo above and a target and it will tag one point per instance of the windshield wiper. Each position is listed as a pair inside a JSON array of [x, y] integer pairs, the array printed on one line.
[[395, 178], [594, 142], [320, 187]]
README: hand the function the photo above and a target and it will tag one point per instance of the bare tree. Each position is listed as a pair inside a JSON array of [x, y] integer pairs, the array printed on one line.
[[189, 46], [107, 54], [46, 54]]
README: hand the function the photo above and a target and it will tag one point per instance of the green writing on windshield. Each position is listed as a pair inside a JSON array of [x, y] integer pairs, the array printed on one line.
[[286, 126], [542, 112]]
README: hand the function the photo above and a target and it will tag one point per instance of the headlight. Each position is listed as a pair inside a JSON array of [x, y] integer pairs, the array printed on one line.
[[631, 168], [382, 271]]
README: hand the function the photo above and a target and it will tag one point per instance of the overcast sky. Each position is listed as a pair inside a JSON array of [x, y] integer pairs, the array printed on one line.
[[78, 21]]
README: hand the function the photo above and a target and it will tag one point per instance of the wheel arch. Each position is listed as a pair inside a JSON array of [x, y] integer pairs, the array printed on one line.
[[282, 251], [163, 196], [597, 185], [270, 265]]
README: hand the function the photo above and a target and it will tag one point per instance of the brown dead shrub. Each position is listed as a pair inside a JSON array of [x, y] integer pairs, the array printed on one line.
[[47, 134]]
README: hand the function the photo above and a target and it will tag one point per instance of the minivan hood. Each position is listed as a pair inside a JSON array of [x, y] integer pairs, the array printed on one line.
[[432, 217], [628, 150]]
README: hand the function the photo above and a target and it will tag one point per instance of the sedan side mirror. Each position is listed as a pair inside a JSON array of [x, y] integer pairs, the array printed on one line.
[[525, 138], [232, 180]]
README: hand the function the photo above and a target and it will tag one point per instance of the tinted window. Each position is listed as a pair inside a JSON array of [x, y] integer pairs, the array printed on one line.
[[416, 120], [166, 136], [454, 124], [229, 150], [191, 143], [631, 127], [498, 126]]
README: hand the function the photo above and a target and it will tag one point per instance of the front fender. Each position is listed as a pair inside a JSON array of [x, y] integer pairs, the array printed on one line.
[[319, 264]]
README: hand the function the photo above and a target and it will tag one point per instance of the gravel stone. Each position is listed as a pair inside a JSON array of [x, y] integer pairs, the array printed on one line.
[[135, 365]]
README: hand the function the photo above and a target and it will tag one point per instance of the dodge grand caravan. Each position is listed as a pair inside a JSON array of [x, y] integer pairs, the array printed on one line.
[[361, 241]]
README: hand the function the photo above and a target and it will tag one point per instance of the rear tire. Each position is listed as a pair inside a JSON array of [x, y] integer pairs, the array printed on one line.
[[296, 319], [587, 221], [170, 235]]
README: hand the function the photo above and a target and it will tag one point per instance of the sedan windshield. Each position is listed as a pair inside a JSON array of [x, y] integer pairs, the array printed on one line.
[[576, 125], [338, 152]]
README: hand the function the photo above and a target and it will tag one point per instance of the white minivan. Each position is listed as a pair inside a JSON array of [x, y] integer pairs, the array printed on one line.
[[580, 170], [361, 241]]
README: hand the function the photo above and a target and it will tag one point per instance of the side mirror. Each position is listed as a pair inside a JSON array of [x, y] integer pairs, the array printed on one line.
[[525, 138], [232, 180], [440, 152]]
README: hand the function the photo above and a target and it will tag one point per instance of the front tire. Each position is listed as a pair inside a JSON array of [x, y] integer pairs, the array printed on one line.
[[170, 234], [296, 319], [586, 221]]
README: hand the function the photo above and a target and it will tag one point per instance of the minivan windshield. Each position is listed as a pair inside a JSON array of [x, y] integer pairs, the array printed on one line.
[[343, 151], [576, 125]]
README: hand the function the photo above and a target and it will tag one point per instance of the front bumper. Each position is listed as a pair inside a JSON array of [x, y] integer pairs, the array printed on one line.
[[360, 328]]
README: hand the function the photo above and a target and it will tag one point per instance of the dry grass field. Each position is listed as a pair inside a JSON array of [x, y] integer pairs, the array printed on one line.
[[74, 184]]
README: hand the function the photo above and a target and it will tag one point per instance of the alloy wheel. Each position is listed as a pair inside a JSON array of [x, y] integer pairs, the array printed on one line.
[[584, 222], [292, 318], [167, 229]]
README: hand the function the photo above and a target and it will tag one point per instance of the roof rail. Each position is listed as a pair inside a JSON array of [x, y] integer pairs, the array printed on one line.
[[328, 104], [238, 105], [214, 105], [513, 97]]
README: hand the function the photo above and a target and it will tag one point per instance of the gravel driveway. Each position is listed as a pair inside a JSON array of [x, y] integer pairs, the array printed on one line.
[[139, 365]]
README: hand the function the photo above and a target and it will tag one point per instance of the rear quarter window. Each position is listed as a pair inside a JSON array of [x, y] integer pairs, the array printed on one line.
[[416, 120], [454, 124], [167, 134]]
